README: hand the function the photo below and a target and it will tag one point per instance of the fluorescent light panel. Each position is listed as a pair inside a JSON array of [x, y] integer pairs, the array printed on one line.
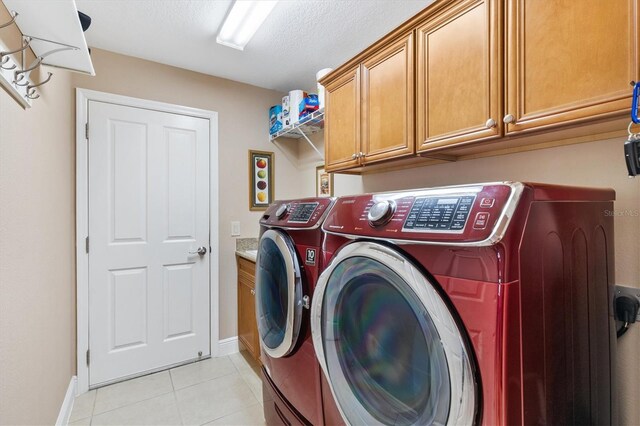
[[243, 21]]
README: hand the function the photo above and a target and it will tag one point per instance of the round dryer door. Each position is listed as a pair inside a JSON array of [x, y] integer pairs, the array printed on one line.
[[278, 294], [388, 344]]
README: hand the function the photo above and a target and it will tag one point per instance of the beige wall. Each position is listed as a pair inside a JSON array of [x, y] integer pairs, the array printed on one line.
[[599, 164], [37, 255], [243, 125]]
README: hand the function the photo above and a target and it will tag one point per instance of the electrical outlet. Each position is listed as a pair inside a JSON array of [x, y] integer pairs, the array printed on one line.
[[628, 291], [235, 229]]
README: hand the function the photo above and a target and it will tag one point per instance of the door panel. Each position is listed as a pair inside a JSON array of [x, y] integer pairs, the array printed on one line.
[[569, 60], [342, 130], [459, 77], [148, 208], [387, 102]]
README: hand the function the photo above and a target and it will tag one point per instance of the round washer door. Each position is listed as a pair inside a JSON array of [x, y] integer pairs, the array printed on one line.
[[278, 293], [389, 346]]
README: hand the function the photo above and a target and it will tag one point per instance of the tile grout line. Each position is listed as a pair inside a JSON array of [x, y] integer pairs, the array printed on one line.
[[175, 398]]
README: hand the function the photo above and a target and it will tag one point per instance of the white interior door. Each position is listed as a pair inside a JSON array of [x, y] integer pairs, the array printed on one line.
[[148, 215]]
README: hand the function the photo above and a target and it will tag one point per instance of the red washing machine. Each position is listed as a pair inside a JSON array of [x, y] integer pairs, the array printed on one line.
[[486, 304], [288, 264]]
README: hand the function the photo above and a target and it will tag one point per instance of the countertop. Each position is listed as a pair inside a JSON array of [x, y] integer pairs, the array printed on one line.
[[248, 254]]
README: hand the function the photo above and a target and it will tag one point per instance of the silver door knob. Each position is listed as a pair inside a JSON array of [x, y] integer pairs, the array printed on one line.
[[200, 250], [354, 156], [509, 118], [490, 123]]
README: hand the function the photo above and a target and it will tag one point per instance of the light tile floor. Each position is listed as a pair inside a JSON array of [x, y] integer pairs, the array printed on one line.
[[216, 391]]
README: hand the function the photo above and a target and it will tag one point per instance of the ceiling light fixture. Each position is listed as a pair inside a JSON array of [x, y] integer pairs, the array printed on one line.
[[243, 21]]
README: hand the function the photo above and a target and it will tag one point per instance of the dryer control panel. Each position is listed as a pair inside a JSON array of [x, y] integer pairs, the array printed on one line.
[[306, 213], [455, 214]]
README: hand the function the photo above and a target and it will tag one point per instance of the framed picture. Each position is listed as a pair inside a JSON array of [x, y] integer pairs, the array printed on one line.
[[261, 169], [324, 182]]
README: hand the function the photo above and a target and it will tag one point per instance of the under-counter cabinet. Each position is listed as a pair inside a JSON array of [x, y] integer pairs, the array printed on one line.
[[247, 325], [568, 61], [370, 107], [459, 75]]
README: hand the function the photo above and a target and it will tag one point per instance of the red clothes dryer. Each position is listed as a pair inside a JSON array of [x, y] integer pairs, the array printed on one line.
[[483, 304], [287, 267]]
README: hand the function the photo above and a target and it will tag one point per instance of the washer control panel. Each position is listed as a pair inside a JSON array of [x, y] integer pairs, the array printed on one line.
[[462, 213], [430, 214], [306, 213], [302, 212]]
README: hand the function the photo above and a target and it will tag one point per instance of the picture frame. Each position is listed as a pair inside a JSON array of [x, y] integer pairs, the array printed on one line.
[[324, 182], [261, 181]]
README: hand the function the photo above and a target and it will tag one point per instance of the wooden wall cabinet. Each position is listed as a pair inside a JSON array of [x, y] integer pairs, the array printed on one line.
[[491, 77], [247, 324], [459, 77], [569, 61], [370, 108]]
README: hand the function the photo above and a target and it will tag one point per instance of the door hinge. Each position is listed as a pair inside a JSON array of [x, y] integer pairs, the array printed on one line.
[[86, 130], [88, 357], [86, 245]]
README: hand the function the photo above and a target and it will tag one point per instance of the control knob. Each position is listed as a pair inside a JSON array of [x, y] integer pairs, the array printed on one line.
[[282, 211], [381, 212]]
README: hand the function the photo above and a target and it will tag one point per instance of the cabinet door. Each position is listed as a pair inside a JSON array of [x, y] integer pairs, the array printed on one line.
[[247, 328], [569, 60], [342, 121], [387, 102], [459, 81]]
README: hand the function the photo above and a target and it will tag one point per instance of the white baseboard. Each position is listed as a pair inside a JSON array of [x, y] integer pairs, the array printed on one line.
[[67, 404], [228, 346]]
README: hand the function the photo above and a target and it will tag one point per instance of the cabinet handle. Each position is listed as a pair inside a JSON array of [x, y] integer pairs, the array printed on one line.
[[509, 118], [490, 123], [253, 292]]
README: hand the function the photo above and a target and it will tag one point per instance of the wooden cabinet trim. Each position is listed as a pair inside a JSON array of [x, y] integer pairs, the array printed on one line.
[[405, 44], [247, 325], [407, 26]]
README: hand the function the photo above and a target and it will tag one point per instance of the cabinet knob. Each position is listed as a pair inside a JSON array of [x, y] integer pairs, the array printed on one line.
[[253, 292], [354, 156], [490, 123], [509, 118], [360, 154]]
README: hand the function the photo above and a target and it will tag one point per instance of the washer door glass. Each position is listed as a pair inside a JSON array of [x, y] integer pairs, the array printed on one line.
[[278, 293]]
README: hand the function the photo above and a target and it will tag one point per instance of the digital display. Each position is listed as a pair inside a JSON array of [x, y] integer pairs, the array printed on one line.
[[448, 201], [430, 214], [302, 212]]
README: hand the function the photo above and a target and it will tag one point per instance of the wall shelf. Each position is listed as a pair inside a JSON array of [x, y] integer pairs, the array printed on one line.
[[51, 31], [313, 123]]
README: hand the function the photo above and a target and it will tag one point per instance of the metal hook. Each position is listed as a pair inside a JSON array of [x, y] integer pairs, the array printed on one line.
[[31, 94], [5, 55], [31, 88], [14, 15], [20, 75]]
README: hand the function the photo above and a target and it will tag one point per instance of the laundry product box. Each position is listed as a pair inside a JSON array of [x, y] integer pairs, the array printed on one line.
[[275, 119], [286, 117], [295, 97], [308, 105]]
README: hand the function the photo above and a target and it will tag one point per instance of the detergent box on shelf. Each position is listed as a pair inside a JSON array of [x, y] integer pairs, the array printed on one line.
[[275, 119], [308, 105]]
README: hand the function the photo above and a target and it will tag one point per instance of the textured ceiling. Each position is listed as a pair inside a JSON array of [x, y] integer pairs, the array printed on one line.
[[296, 40]]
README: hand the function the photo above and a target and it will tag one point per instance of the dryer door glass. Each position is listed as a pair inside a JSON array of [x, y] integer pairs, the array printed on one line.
[[387, 358], [278, 293]]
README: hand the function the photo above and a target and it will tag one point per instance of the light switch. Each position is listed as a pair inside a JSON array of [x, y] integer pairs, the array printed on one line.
[[235, 229]]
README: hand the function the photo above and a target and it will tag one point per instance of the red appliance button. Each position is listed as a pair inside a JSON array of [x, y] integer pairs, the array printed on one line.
[[487, 203], [481, 220]]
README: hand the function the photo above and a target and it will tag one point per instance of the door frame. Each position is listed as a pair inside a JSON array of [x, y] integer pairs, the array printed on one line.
[[83, 96]]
